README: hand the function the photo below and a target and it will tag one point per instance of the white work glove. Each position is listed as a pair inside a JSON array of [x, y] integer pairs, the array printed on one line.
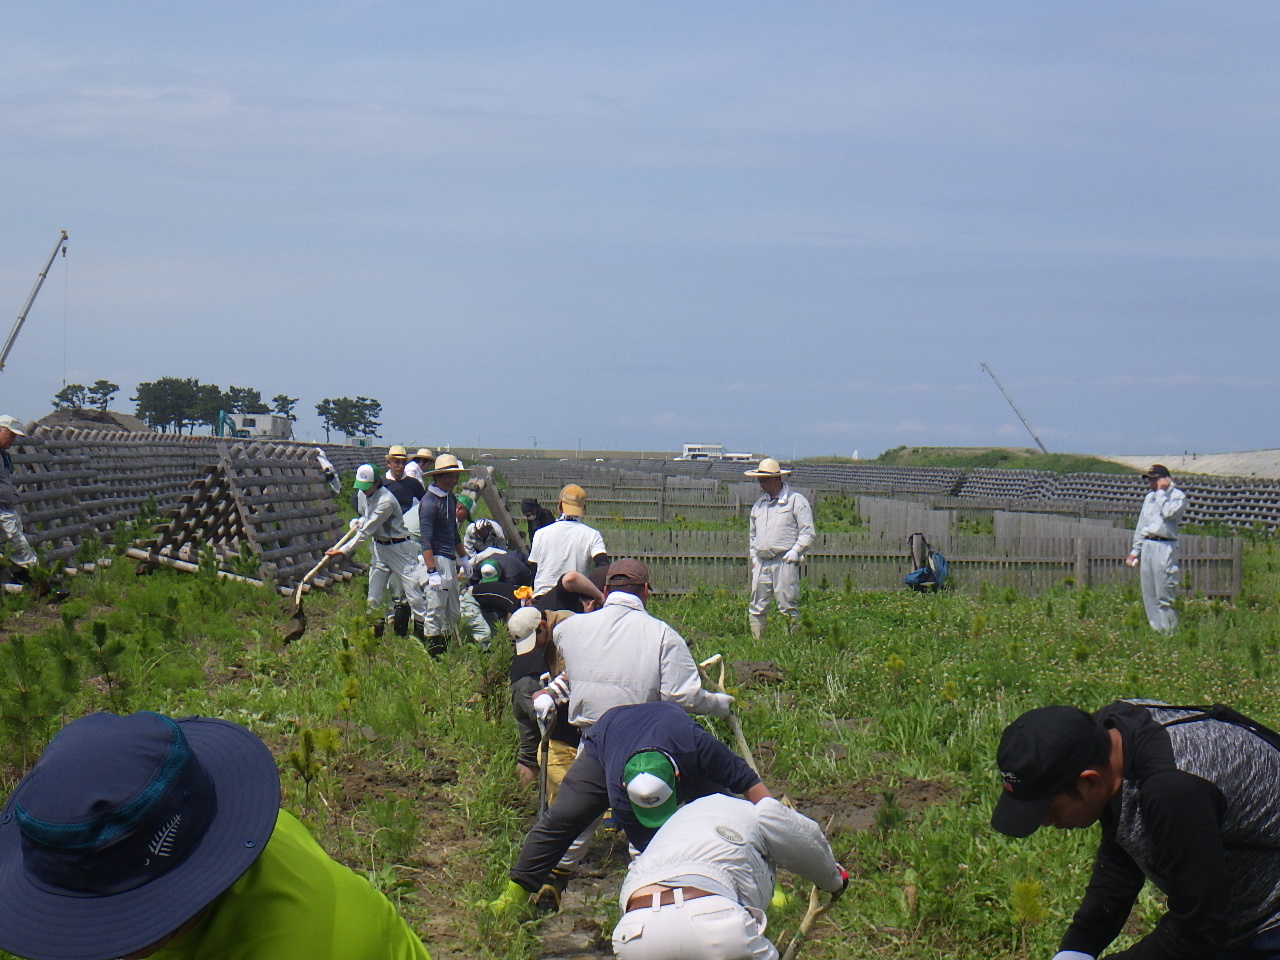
[[355, 522], [724, 703], [435, 581], [1131, 560], [793, 555], [465, 566], [543, 706], [1071, 955]]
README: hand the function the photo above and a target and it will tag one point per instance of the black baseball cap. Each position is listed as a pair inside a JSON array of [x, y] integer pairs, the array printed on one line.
[[1157, 470], [1041, 754]]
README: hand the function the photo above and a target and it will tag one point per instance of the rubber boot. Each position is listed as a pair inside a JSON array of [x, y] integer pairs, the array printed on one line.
[[548, 900], [379, 625], [400, 617], [757, 623], [435, 645], [512, 899]]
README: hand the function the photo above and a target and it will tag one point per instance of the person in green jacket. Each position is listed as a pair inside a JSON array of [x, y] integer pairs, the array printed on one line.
[[141, 836]]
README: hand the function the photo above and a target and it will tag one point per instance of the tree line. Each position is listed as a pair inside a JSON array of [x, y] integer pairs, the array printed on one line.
[[178, 404]]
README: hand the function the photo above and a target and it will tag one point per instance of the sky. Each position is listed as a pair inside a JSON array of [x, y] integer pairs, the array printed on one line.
[[792, 228]]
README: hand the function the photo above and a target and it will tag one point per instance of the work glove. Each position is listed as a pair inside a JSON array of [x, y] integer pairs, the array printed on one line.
[[353, 523], [724, 703], [793, 555], [1071, 955], [559, 688], [513, 897], [435, 581], [465, 566], [544, 705], [1131, 560]]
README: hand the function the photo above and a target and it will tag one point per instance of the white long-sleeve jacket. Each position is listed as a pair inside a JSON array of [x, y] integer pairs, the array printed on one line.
[[619, 655], [1160, 516], [729, 846], [779, 524]]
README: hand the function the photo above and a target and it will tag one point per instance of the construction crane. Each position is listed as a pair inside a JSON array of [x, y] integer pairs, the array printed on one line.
[[1002, 390], [22, 317]]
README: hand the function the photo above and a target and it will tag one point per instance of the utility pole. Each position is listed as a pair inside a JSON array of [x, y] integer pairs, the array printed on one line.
[[1015, 409]]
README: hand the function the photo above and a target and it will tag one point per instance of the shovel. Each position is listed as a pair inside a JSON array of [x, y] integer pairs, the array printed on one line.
[[297, 617], [705, 668], [816, 909]]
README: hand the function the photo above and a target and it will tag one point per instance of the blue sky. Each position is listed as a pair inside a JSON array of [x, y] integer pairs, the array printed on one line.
[[791, 228]]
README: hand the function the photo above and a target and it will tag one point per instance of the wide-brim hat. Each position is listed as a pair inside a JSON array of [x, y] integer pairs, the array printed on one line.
[[768, 467], [41, 923], [447, 463], [399, 452], [424, 454]]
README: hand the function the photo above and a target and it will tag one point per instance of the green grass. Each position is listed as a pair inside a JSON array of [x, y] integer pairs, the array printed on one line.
[[1003, 458], [913, 689]]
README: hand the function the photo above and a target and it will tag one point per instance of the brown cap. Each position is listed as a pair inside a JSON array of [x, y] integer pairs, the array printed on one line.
[[1157, 470], [627, 572], [573, 500]]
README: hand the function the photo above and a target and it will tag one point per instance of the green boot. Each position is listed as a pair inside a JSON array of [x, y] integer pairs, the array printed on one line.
[[512, 899]]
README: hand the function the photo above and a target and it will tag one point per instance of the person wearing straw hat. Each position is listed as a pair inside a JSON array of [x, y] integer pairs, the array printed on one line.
[[141, 836], [1155, 547], [567, 544], [407, 492], [420, 461], [441, 550], [10, 522], [781, 531], [391, 549], [701, 886]]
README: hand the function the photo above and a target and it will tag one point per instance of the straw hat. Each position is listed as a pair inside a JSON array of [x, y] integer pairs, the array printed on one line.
[[398, 452], [769, 467], [424, 454], [447, 463]]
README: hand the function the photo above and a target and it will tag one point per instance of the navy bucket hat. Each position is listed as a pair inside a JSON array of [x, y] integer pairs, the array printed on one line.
[[126, 828]]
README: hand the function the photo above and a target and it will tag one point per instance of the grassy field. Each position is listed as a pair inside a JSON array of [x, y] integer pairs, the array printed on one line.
[[1002, 458], [879, 717]]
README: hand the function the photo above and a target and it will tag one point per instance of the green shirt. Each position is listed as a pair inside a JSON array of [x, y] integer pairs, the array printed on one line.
[[295, 903]]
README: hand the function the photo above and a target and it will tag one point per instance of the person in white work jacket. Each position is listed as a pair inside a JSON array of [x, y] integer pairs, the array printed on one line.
[[700, 888], [1155, 547], [781, 532], [383, 522]]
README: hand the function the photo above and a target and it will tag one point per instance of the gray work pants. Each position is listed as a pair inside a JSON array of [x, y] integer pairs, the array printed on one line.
[[1158, 570]]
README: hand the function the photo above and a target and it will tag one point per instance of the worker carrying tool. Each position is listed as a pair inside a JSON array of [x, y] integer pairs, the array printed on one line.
[[700, 888], [781, 532], [1186, 797], [383, 522]]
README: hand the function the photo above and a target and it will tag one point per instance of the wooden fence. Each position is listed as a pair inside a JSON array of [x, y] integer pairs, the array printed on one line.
[[682, 560]]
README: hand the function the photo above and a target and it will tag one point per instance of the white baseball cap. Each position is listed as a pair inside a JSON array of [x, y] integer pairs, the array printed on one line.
[[366, 476], [12, 424], [523, 627]]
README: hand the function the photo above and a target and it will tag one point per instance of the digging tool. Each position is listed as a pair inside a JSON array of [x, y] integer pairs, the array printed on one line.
[[544, 761], [705, 668], [816, 909], [298, 618]]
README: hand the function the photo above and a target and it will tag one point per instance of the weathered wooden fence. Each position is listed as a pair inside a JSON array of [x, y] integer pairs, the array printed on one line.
[[682, 560]]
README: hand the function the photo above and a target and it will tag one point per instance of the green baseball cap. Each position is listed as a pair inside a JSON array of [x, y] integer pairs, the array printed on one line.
[[651, 776], [467, 502], [366, 476]]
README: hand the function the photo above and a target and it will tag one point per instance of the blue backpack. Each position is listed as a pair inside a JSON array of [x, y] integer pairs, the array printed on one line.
[[929, 571]]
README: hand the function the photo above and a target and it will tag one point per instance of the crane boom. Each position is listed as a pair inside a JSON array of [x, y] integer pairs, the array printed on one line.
[[1002, 390], [22, 317]]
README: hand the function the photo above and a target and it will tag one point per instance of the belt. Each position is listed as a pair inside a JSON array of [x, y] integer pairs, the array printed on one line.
[[665, 898], [1161, 539], [388, 543]]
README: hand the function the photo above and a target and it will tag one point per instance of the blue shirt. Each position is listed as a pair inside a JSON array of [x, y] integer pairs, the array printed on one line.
[[438, 523]]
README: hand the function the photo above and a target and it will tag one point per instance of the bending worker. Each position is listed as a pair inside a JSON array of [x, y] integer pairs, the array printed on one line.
[[700, 888], [1187, 798], [633, 756], [1155, 547], [781, 531]]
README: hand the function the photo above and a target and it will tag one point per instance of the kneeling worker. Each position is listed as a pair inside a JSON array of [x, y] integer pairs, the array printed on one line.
[[700, 888], [1186, 797], [140, 836]]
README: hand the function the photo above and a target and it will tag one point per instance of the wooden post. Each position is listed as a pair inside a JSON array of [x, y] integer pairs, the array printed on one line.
[[1237, 564], [1082, 561], [662, 499]]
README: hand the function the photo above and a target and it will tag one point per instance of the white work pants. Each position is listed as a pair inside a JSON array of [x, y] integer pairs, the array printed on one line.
[[11, 530], [1158, 569], [473, 621], [778, 580], [443, 604], [381, 575], [708, 928], [401, 560]]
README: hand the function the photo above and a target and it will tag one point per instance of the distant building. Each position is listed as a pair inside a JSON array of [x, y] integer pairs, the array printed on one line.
[[251, 425], [714, 451]]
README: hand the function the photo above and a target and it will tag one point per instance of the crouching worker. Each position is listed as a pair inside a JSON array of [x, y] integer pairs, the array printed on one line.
[[140, 836], [533, 657], [699, 890], [1186, 797]]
